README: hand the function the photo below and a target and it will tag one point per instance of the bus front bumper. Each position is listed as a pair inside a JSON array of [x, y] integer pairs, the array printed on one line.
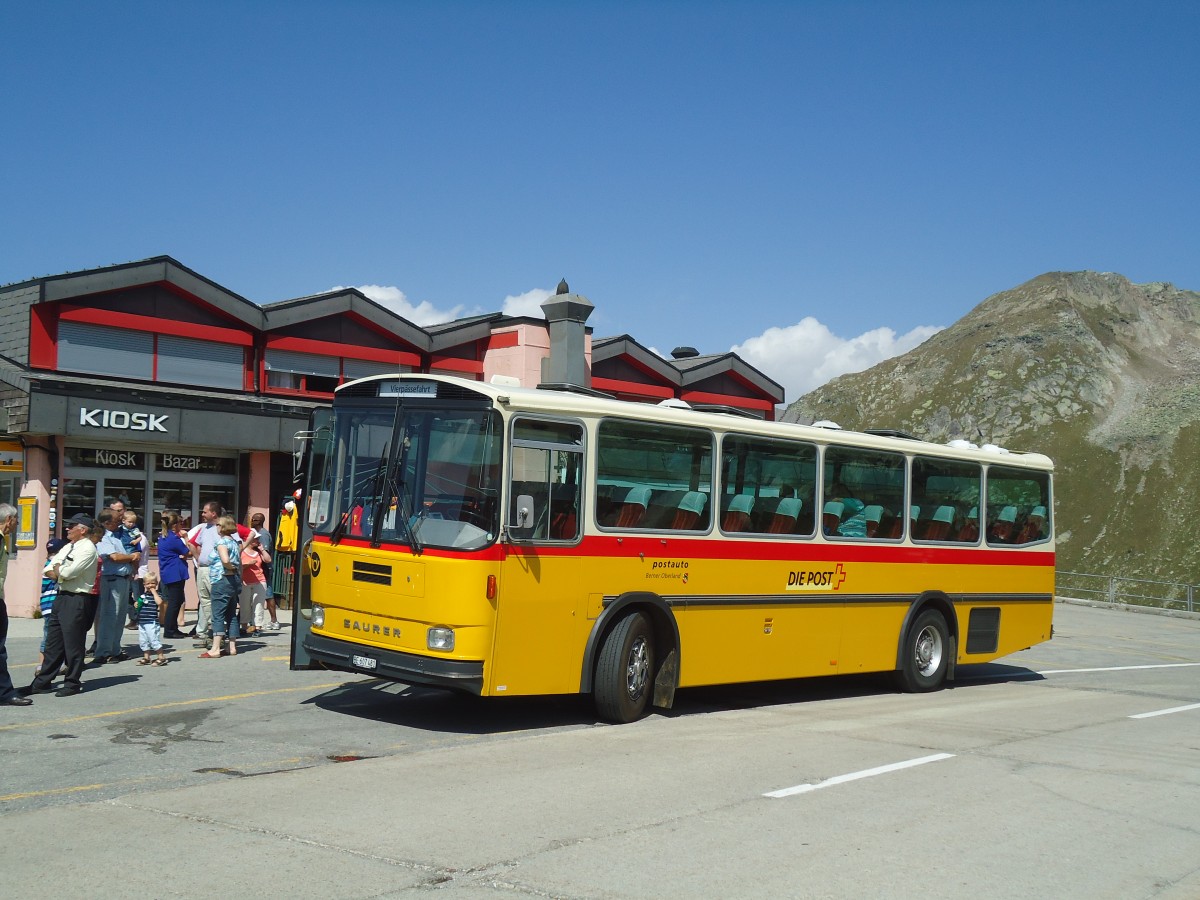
[[455, 674]]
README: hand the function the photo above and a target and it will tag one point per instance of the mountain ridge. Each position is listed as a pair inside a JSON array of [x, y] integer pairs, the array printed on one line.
[[1097, 372]]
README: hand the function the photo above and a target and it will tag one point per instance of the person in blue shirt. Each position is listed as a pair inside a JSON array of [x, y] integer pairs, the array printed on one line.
[[46, 603], [116, 570], [173, 556]]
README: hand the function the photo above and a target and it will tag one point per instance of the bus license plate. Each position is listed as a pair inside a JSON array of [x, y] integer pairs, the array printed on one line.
[[363, 662]]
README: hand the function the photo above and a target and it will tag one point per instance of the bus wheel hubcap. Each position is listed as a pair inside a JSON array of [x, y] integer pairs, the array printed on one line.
[[929, 651], [639, 669]]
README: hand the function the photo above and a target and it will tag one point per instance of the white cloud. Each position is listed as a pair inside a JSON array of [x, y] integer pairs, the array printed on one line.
[[526, 304], [804, 356], [424, 313]]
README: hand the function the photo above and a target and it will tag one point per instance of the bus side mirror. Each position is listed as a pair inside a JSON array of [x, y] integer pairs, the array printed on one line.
[[526, 514]]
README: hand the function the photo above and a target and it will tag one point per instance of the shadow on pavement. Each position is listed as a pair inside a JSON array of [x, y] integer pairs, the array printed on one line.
[[430, 709]]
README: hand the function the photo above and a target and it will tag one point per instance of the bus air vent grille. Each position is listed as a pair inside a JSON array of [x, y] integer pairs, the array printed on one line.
[[372, 573]]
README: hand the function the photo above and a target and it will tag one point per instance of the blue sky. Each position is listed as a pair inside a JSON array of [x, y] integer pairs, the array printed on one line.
[[817, 184]]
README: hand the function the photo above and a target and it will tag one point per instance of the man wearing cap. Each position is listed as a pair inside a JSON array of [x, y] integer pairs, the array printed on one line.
[[8, 696], [74, 568]]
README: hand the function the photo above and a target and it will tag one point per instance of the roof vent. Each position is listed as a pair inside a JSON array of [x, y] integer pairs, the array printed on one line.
[[684, 353], [825, 423], [674, 403], [961, 444]]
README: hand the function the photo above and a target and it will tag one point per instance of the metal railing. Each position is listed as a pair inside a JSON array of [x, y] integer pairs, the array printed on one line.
[[283, 578], [1120, 589]]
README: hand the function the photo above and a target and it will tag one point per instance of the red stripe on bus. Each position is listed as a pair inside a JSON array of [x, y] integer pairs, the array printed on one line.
[[614, 547]]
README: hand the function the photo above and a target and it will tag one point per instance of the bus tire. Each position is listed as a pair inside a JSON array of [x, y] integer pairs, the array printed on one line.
[[925, 654], [625, 670]]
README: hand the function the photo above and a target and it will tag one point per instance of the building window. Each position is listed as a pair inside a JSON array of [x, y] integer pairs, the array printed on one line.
[[288, 370], [123, 353], [363, 368], [105, 351], [202, 363]]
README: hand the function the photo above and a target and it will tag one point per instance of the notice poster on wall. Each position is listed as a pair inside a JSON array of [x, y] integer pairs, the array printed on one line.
[[26, 536]]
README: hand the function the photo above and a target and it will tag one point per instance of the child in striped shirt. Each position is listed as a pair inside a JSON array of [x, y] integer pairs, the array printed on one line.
[[149, 608]]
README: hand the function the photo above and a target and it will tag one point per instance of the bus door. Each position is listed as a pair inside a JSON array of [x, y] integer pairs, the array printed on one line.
[[313, 507], [541, 600]]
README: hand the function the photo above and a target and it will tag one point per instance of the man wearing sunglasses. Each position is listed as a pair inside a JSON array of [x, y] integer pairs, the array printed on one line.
[[74, 568]]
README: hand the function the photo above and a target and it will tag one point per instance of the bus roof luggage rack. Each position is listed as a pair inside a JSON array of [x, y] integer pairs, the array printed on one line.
[[573, 389], [727, 410]]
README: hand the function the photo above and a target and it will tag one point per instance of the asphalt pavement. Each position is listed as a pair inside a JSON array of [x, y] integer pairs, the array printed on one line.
[[1068, 771]]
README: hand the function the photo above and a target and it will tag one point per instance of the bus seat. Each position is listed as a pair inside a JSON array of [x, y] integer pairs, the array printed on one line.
[[1034, 527], [784, 519], [633, 508], [687, 515], [831, 516], [873, 515], [938, 527], [969, 533], [737, 516], [1001, 531], [563, 525]]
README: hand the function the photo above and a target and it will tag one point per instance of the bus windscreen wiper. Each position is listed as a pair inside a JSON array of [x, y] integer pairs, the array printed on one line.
[[336, 534], [399, 488]]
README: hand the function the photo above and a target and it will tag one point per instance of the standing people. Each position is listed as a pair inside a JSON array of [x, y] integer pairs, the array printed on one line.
[[254, 560], [74, 568], [173, 556], [258, 523], [49, 593], [289, 528], [149, 608], [224, 577], [8, 694], [134, 541], [116, 571], [202, 539]]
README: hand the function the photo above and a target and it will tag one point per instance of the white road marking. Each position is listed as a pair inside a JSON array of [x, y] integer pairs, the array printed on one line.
[[854, 776], [1119, 668], [1166, 712]]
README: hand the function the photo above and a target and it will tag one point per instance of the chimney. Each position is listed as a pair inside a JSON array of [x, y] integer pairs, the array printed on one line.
[[566, 314], [684, 353]]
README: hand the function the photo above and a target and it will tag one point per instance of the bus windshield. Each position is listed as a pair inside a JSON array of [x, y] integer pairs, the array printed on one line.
[[412, 474]]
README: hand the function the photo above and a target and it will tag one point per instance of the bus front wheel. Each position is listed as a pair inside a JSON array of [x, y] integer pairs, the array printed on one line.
[[925, 654], [625, 670]]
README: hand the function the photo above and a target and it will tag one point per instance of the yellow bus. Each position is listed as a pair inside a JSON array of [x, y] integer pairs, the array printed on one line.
[[511, 541]]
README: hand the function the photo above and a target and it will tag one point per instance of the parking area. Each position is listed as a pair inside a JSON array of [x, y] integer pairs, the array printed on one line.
[[1067, 770]]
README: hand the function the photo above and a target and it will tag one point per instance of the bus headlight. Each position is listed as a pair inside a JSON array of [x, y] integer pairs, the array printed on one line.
[[318, 617], [440, 638]]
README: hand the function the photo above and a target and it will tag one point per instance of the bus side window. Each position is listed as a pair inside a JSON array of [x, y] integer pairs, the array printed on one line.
[[546, 480], [1018, 506], [770, 486], [657, 467], [945, 490]]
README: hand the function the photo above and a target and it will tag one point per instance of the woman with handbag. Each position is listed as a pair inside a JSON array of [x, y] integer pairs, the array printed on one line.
[[225, 577]]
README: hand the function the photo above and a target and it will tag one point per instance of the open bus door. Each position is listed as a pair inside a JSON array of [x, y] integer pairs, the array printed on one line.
[[315, 447]]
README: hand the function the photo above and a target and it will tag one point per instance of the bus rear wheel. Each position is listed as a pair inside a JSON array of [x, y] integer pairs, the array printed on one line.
[[625, 670], [925, 654]]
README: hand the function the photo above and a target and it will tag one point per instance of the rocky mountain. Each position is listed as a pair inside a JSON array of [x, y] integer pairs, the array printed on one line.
[[1100, 374]]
